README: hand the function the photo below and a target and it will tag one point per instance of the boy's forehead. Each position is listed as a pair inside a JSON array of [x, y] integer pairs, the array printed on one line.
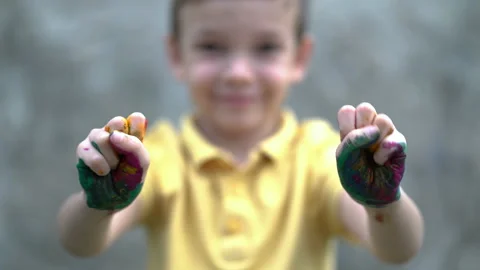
[[219, 13]]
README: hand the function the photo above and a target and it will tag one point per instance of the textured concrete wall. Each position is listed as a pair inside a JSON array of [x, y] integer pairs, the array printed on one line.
[[67, 66]]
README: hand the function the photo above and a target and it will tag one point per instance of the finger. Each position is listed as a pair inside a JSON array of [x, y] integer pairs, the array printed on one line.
[[346, 120], [393, 144], [92, 158], [357, 139], [137, 125], [364, 115], [117, 123], [386, 127], [131, 148], [99, 138]]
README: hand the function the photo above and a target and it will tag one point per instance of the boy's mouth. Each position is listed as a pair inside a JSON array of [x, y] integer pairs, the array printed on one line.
[[237, 100]]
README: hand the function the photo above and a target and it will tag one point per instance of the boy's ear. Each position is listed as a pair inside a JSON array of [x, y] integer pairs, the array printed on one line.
[[303, 56], [174, 56]]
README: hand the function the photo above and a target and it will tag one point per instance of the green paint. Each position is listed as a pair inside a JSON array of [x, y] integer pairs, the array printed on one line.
[[103, 192]]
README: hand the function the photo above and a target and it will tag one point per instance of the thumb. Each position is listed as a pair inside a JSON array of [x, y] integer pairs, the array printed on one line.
[[131, 148], [357, 139]]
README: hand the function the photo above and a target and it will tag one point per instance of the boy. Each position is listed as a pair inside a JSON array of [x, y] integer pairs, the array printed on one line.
[[243, 185]]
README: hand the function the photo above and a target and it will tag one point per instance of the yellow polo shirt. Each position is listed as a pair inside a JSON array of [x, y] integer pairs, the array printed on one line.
[[279, 212]]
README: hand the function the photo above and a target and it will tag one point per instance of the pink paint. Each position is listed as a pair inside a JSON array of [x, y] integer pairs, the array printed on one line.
[[129, 170], [390, 145], [380, 218]]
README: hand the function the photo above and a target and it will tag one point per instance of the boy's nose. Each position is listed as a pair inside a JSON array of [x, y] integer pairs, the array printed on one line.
[[239, 71]]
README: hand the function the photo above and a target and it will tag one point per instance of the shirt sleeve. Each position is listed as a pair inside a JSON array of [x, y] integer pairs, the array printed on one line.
[[149, 189], [325, 189]]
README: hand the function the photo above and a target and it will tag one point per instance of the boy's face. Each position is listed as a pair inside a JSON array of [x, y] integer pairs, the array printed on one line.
[[238, 59]]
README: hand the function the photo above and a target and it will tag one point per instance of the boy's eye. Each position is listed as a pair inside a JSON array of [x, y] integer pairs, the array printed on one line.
[[267, 48], [209, 47]]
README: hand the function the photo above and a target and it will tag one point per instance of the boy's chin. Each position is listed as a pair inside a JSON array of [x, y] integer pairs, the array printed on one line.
[[239, 123]]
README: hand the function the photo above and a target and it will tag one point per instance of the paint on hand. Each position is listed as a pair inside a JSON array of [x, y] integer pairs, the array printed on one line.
[[380, 218], [137, 126], [374, 147], [124, 128], [367, 182], [121, 186], [115, 190]]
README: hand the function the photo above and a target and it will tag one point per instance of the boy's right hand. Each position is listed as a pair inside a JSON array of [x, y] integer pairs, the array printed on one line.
[[112, 163]]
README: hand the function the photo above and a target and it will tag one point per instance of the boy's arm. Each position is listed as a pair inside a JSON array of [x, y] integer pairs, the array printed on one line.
[[112, 164], [87, 232], [394, 234], [371, 165]]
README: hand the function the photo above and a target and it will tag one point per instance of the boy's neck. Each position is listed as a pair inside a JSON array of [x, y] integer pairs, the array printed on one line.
[[238, 144]]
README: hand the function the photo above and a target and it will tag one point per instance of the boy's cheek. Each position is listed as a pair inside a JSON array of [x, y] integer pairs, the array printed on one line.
[[276, 74], [203, 71]]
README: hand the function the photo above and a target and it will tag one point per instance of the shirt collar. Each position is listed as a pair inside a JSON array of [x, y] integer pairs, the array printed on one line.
[[279, 143], [202, 151]]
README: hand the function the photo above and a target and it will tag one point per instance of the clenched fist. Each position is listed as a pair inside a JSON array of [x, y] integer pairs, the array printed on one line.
[[371, 156], [112, 163]]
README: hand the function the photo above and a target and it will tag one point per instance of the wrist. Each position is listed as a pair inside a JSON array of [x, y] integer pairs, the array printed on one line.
[[383, 201], [106, 192], [91, 211], [382, 212]]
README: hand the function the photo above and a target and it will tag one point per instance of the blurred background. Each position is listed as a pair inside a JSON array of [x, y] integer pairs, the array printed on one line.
[[68, 66]]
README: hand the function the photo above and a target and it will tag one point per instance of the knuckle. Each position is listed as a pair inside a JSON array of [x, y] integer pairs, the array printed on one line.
[[384, 118], [83, 146], [138, 149], [94, 133], [134, 141], [96, 161], [100, 138], [117, 118], [127, 142], [117, 123]]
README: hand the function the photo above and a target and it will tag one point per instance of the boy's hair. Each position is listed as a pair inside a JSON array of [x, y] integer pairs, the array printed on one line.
[[176, 6]]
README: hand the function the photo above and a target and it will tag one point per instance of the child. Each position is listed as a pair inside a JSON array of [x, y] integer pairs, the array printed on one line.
[[243, 185]]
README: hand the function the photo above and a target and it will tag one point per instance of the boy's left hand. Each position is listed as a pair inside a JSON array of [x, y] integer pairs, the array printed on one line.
[[371, 155]]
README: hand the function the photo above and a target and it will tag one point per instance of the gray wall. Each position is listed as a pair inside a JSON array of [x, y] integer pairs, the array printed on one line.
[[67, 66]]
